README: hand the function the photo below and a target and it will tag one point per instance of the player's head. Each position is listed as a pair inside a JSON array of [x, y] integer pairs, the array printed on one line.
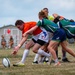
[[71, 20], [42, 14], [46, 11], [19, 24]]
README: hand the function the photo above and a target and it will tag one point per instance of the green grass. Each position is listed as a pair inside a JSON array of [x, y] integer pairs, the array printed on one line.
[[40, 69]]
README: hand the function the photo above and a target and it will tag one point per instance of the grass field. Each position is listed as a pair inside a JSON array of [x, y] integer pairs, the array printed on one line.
[[40, 69]]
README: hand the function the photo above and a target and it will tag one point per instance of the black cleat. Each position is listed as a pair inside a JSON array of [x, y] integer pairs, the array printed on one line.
[[35, 62], [65, 60]]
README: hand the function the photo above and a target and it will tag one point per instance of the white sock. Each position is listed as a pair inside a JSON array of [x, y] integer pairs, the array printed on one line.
[[25, 54], [41, 59], [56, 60], [41, 52], [36, 57]]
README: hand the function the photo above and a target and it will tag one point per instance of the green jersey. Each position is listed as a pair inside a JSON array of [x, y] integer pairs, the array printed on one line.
[[48, 25], [68, 26]]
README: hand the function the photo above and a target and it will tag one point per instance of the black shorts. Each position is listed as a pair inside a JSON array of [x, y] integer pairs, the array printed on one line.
[[34, 40], [41, 42]]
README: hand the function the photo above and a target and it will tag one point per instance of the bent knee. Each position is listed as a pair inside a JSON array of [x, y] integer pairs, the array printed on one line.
[[49, 48], [35, 51], [28, 46]]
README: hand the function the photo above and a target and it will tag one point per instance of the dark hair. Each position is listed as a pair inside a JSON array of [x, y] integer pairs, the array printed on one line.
[[18, 22], [71, 20], [42, 13], [45, 8]]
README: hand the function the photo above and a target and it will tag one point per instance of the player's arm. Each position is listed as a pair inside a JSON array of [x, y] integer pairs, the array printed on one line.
[[22, 41], [20, 44], [30, 30], [57, 18]]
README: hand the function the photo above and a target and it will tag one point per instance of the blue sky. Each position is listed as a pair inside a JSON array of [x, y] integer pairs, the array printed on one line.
[[27, 10]]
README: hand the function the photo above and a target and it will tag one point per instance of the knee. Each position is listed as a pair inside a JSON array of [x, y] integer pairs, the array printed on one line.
[[49, 49], [27, 46], [35, 51]]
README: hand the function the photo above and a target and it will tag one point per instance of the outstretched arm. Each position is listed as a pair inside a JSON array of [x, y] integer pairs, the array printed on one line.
[[19, 45]]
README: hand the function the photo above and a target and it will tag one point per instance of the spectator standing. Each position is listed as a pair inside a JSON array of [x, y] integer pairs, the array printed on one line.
[[3, 42], [11, 42]]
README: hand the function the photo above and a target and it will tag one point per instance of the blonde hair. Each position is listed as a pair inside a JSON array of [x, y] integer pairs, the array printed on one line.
[[42, 13]]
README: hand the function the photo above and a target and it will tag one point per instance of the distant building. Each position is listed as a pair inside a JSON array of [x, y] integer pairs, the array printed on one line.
[[9, 30]]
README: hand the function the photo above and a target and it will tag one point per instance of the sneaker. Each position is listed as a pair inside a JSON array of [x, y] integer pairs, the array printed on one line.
[[65, 60], [35, 62], [57, 64], [19, 64], [45, 61]]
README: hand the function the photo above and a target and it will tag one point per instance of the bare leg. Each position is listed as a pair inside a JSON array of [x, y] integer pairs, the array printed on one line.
[[52, 47], [37, 49], [70, 51]]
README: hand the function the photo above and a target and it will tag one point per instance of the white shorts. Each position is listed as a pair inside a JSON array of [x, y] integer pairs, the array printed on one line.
[[44, 36]]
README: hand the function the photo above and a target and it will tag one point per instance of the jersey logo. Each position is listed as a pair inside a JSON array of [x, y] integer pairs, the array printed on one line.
[[44, 35], [57, 38]]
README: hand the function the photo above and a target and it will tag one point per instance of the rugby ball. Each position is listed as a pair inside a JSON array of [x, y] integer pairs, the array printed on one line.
[[6, 62]]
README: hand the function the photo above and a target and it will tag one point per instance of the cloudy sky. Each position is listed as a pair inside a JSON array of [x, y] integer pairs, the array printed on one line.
[[27, 10]]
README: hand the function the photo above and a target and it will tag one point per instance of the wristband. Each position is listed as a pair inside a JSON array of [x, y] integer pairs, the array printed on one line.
[[19, 45], [56, 19]]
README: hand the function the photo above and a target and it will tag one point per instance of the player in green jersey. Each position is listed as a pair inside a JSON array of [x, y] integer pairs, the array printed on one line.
[[59, 36]]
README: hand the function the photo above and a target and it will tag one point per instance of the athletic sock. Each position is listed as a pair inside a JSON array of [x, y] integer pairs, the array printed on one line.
[[64, 54], [25, 54], [36, 57], [56, 60], [41, 59], [41, 52]]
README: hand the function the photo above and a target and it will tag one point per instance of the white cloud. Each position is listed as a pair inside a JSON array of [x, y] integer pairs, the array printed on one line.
[[67, 4], [62, 4], [27, 10], [28, 1], [7, 21], [11, 20]]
